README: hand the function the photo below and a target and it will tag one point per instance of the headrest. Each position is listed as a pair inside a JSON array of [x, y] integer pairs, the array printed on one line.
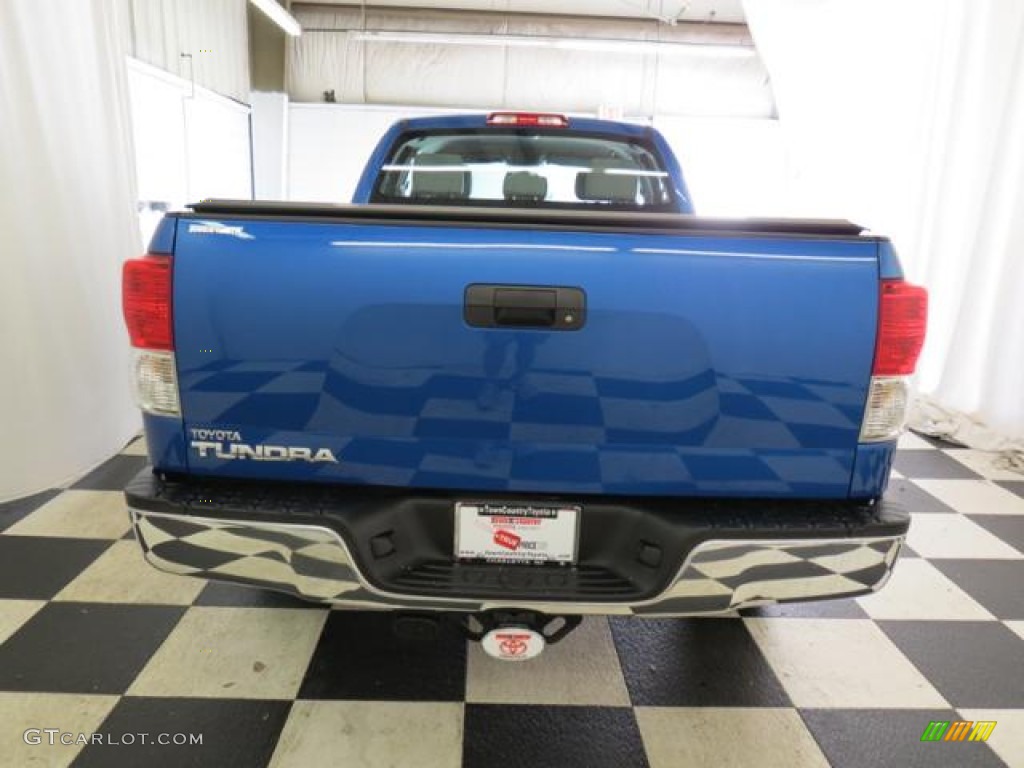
[[523, 185], [444, 182], [598, 184]]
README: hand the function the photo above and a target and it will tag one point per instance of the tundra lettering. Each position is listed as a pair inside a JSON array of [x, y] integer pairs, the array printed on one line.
[[262, 452]]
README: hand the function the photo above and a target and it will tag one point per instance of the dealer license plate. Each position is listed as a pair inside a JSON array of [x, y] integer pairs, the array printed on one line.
[[516, 533]]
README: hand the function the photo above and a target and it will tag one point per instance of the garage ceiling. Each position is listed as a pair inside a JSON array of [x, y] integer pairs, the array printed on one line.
[[599, 56], [671, 11]]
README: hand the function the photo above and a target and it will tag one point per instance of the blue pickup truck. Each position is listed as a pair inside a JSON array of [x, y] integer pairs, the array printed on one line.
[[517, 382]]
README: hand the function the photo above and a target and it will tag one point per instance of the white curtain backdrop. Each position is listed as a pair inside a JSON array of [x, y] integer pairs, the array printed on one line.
[[908, 117], [67, 221]]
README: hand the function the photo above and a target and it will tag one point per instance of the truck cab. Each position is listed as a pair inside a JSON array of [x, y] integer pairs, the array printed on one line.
[[522, 159]]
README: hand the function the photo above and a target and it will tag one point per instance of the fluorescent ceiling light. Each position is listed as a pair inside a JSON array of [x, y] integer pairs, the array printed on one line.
[[604, 45], [279, 16]]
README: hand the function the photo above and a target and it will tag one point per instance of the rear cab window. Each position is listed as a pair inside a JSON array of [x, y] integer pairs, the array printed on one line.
[[524, 167]]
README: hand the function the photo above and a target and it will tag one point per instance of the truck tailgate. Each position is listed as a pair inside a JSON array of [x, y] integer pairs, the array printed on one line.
[[705, 363]]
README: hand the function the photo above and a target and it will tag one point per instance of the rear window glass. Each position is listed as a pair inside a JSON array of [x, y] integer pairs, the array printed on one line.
[[524, 167]]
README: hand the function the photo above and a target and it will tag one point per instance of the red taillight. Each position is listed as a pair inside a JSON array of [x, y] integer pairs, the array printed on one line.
[[543, 120], [146, 301], [902, 320]]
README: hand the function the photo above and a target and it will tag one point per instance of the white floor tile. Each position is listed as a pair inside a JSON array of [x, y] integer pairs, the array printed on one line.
[[918, 590], [581, 669], [77, 514], [136, 447], [238, 653], [121, 575], [70, 713], [1016, 626], [910, 442], [733, 737], [955, 536], [14, 614], [974, 497], [371, 734], [847, 663], [1007, 739]]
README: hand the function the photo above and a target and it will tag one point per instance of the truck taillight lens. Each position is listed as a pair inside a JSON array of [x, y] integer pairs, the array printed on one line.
[[902, 321], [146, 301]]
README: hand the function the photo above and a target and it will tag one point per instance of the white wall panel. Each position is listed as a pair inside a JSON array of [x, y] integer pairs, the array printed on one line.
[[269, 145], [190, 143], [217, 142], [733, 167], [158, 127], [328, 146]]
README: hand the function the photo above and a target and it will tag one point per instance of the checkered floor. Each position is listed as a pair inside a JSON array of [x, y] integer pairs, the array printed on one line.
[[93, 640]]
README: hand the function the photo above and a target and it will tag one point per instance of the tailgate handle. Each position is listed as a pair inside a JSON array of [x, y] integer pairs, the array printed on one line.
[[525, 306]]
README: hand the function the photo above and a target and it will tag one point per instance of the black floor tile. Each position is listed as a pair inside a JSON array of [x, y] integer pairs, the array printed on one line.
[[359, 657], [500, 736], [12, 511], [113, 474], [930, 464], [694, 662], [234, 733], [880, 738], [1009, 528], [816, 609], [84, 647], [997, 584], [938, 442], [913, 498], [38, 567], [973, 664], [218, 593], [1015, 486]]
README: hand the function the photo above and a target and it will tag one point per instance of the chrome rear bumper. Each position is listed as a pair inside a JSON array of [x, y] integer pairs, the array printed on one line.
[[314, 562]]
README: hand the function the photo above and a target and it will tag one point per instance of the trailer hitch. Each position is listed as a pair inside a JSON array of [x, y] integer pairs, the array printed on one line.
[[516, 635]]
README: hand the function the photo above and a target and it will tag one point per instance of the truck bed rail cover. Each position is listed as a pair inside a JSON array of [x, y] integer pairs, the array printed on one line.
[[525, 217]]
